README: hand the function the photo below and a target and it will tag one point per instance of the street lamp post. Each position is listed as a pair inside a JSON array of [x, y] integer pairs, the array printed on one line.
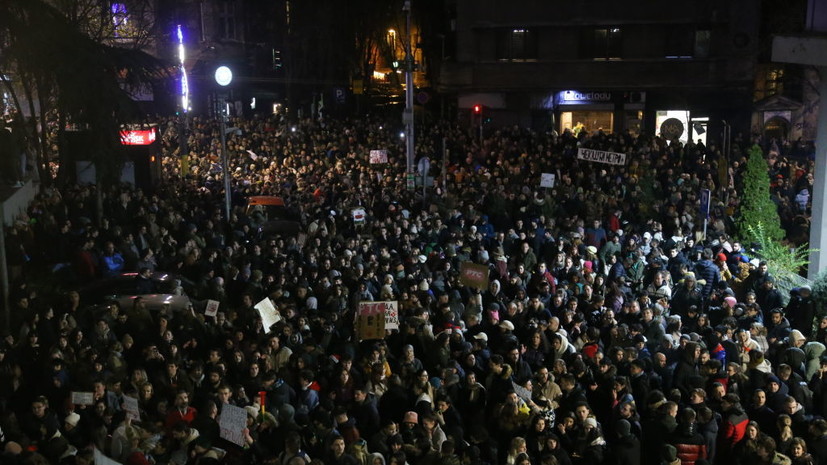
[[224, 76], [407, 116]]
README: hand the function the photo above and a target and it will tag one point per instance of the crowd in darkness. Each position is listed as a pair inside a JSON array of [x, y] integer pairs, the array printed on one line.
[[611, 331]]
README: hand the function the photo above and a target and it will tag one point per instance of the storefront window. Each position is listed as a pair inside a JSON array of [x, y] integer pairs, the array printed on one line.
[[587, 120]]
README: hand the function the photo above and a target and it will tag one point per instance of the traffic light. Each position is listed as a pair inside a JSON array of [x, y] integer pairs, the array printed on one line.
[[477, 109]]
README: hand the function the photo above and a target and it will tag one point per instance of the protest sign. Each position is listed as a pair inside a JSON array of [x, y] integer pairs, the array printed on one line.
[[370, 320], [269, 314], [600, 156], [83, 398], [130, 406], [547, 180], [231, 423], [359, 215], [378, 156], [473, 275], [212, 308]]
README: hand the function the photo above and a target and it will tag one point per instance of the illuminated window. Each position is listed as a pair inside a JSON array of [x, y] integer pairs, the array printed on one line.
[[120, 19], [516, 45]]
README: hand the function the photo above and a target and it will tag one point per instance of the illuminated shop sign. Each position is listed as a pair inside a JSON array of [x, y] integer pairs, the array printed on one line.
[[574, 97], [138, 137]]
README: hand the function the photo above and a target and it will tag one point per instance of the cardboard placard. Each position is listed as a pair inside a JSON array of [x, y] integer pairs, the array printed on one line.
[[268, 312], [473, 275], [370, 321], [231, 423], [130, 406], [601, 156], [212, 308], [378, 156], [83, 398], [547, 180]]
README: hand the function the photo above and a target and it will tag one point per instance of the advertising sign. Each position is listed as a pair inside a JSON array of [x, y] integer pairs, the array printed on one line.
[[138, 137]]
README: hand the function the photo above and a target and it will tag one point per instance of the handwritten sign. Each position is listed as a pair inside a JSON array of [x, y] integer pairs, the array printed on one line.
[[547, 180], [212, 308], [600, 156], [231, 423], [269, 314], [473, 275], [130, 406], [83, 398], [378, 156], [370, 320], [389, 308]]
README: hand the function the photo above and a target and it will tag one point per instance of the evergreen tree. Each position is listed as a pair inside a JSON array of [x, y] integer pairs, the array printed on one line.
[[757, 208]]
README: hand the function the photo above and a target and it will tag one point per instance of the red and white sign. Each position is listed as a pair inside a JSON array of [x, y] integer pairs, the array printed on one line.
[[138, 137]]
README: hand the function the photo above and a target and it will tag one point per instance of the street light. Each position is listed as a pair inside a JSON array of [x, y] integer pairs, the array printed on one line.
[[223, 77]]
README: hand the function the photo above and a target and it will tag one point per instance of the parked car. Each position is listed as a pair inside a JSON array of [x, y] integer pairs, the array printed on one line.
[[170, 291], [272, 215]]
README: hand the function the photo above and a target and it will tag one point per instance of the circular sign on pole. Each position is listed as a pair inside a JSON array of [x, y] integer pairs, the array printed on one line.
[[671, 129], [223, 76]]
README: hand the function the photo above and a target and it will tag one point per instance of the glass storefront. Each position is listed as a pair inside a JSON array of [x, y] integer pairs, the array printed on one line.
[[588, 120]]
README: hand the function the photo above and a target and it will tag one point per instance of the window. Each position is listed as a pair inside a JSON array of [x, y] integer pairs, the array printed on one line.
[[517, 45], [602, 43], [226, 18], [774, 82], [680, 43], [703, 38], [120, 19]]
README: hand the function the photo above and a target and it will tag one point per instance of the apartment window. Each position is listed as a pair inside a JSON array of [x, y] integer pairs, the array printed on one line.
[[602, 43], [516, 45], [774, 82], [703, 38], [679, 43], [227, 20]]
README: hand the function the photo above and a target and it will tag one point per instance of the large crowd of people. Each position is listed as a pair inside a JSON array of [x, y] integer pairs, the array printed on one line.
[[611, 330]]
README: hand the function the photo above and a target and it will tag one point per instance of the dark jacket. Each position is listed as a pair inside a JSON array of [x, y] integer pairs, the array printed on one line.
[[626, 451]]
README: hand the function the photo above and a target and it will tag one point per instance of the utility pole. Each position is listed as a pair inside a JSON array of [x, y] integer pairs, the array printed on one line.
[[407, 115]]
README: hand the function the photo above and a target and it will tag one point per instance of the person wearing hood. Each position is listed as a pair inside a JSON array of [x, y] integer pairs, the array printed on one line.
[[813, 351], [777, 393], [669, 455], [733, 427], [626, 448], [690, 445], [686, 372], [794, 355], [376, 459]]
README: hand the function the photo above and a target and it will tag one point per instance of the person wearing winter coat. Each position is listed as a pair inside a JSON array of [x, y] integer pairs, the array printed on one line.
[[733, 427], [707, 271], [626, 448], [690, 445], [687, 369]]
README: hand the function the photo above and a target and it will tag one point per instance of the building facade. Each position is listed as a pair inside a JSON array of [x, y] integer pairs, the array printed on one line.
[[686, 67]]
